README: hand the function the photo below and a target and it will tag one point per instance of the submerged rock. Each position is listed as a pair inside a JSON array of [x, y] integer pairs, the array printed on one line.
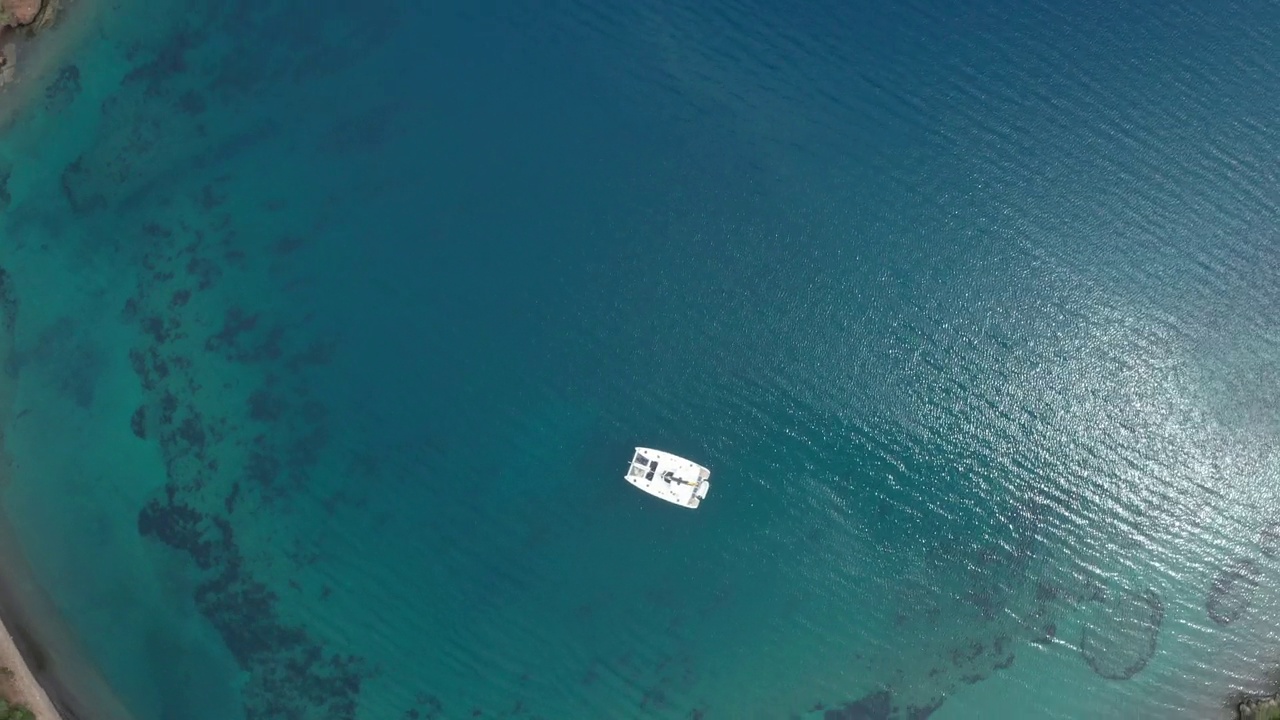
[[8, 54], [1232, 589], [875, 706], [1121, 637], [1264, 708]]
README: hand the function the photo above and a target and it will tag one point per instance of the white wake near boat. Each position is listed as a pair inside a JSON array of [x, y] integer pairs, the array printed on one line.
[[670, 477]]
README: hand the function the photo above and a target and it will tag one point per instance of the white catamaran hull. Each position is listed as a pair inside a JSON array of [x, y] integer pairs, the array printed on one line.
[[670, 477]]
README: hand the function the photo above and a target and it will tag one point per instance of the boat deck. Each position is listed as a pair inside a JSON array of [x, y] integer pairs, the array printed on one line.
[[669, 477]]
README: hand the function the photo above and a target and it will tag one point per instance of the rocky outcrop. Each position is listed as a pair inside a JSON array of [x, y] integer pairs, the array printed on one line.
[[8, 55], [1264, 708], [16, 13], [28, 16]]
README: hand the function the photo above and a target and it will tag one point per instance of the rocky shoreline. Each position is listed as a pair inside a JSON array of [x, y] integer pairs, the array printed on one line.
[[19, 13], [1262, 708], [16, 18]]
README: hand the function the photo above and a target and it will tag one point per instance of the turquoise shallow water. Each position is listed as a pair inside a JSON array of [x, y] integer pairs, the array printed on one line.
[[331, 338]]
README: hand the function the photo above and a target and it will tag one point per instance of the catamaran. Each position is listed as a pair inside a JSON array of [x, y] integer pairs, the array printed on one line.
[[670, 477]]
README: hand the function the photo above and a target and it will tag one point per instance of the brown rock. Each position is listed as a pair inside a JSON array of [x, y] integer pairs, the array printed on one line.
[[20, 12], [1259, 708]]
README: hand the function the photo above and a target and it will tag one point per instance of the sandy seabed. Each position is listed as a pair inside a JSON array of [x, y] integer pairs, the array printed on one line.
[[49, 672], [19, 683], [22, 687]]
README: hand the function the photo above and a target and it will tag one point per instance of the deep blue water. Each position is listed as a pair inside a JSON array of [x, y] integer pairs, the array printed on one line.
[[333, 328]]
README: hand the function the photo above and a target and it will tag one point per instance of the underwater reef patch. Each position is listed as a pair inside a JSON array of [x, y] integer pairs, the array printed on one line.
[[8, 303], [225, 461], [873, 706], [72, 363], [1269, 540], [1121, 637], [1231, 589], [292, 677], [62, 90]]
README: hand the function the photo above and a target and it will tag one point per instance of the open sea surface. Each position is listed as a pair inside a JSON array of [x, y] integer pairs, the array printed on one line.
[[330, 329]]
